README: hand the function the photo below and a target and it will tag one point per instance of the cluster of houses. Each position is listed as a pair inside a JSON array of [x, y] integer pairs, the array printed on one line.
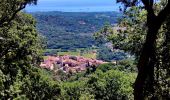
[[69, 63]]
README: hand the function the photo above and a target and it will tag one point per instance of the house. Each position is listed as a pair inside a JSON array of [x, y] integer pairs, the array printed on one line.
[[69, 63]]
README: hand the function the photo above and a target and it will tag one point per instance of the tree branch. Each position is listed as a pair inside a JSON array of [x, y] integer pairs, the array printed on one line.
[[19, 6], [164, 13], [9, 19]]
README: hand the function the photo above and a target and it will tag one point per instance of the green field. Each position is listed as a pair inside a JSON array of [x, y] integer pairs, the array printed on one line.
[[87, 53]]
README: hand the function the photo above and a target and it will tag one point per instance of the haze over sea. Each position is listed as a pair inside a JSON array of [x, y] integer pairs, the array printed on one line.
[[74, 6]]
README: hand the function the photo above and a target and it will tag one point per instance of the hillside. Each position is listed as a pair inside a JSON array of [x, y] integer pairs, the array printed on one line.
[[70, 30]]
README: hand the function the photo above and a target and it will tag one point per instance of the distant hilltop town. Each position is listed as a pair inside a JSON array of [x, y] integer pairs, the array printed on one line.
[[69, 63]]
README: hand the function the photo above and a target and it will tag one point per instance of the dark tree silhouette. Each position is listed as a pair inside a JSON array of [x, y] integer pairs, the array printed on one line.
[[147, 58]]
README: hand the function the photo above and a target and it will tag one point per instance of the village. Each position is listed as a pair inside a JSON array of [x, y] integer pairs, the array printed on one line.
[[68, 63]]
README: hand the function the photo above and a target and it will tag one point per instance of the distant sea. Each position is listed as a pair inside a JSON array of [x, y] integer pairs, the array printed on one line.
[[72, 9]]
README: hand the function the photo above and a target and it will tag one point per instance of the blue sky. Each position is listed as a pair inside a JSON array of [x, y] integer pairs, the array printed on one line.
[[74, 5]]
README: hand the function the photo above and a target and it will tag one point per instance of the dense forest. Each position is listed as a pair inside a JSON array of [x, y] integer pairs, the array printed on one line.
[[143, 32], [71, 30]]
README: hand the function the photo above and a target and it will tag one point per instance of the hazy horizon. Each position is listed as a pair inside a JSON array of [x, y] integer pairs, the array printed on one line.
[[74, 6]]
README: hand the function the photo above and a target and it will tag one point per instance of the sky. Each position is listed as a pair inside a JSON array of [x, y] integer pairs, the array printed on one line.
[[74, 5]]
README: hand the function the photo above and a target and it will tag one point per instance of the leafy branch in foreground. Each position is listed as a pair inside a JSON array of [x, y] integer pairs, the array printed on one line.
[[146, 41], [20, 51]]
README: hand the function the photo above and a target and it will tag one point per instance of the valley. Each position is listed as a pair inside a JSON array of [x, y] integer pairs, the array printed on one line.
[[72, 30]]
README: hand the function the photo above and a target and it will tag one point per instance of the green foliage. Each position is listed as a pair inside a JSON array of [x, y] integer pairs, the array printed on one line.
[[72, 29], [35, 85], [106, 54], [73, 90], [9, 9], [112, 84], [126, 65], [107, 82], [129, 34], [39, 86], [106, 67], [20, 50]]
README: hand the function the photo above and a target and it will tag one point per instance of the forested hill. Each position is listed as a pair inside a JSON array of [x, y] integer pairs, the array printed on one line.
[[69, 30]]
